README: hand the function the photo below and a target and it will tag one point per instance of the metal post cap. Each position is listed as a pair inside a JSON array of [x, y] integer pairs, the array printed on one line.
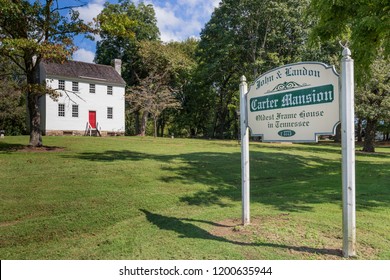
[[346, 52]]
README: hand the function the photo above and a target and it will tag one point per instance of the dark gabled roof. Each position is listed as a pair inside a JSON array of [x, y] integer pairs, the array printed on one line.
[[84, 70]]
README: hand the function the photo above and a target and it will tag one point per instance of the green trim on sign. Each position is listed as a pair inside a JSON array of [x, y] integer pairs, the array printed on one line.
[[302, 97], [286, 133]]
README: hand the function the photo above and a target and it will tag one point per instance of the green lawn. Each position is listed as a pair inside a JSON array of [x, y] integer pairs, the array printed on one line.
[[147, 198]]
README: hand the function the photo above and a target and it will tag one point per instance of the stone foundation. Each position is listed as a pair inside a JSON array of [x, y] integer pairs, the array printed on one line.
[[80, 133]]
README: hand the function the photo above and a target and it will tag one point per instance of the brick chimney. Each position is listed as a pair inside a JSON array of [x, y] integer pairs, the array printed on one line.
[[117, 64]]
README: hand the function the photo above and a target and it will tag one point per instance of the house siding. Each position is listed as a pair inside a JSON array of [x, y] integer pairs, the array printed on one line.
[[86, 101]]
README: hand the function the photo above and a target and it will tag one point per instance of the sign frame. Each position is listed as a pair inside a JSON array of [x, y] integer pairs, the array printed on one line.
[[291, 87], [347, 113]]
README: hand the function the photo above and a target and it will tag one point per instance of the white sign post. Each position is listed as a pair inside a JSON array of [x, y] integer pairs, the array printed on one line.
[[297, 103], [348, 154], [244, 152]]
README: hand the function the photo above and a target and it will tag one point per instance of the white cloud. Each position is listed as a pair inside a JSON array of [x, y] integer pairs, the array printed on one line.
[[170, 26], [84, 55], [184, 19], [90, 11], [167, 17]]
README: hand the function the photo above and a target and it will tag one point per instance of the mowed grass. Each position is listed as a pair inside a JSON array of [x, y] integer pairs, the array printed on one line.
[[146, 198]]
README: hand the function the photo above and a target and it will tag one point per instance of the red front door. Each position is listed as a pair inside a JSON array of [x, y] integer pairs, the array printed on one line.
[[92, 119]]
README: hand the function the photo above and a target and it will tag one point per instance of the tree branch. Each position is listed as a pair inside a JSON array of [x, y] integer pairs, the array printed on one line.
[[68, 7], [16, 62]]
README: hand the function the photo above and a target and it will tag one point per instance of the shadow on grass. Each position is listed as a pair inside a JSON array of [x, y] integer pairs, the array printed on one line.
[[8, 148], [315, 148], [186, 229], [287, 181]]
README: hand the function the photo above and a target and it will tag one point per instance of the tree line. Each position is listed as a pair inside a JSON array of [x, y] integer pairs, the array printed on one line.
[[190, 88]]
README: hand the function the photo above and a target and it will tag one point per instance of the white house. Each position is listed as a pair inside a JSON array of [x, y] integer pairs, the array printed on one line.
[[92, 99]]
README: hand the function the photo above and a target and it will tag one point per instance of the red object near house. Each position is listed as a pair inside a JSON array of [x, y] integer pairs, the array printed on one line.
[[92, 119]]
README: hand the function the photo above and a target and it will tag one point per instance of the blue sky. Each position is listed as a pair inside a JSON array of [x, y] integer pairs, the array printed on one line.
[[176, 19]]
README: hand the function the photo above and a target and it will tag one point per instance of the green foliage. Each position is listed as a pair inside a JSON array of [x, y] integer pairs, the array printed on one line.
[[12, 109], [122, 27], [176, 58], [373, 100], [365, 23], [13, 117], [384, 128], [37, 29], [117, 24], [255, 35], [246, 37], [243, 37], [169, 67], [32, 31]]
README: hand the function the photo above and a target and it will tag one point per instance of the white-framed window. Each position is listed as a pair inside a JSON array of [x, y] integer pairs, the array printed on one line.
[[75, 86], [75, 111], [92, 88], [61, 84], [109, 90], [110, 112], [61, 110]]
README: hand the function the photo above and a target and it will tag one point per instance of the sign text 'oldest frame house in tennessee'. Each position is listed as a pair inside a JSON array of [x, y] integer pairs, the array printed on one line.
[[91, 102]]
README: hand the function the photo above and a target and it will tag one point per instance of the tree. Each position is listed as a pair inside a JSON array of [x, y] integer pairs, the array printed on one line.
[[176, 121], [12, 108], [152, 96], [31, 32], [373, 100], [384, 128], [365, 23], [246, 37], [122, 26], [167, 66], [12, 105]]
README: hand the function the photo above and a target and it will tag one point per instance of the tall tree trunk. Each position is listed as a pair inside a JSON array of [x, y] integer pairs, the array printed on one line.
[[162, 127], [155, 118], [193, 132], [137, 123], [221, 124], [215, 124], [144, 122], [33, 94], [237, 126], [161, 124], [34, 120], [359, 130], [369, 138]]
